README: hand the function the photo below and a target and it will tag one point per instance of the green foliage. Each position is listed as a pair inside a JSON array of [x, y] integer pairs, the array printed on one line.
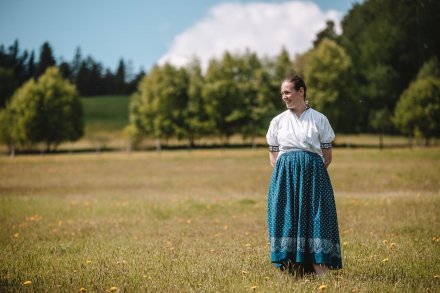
[[46, 59], [329, 88], [327, 33], [45, 111], [7, 85], [197, 119], [418, 110], [159, 106], [387, 41], [224, 102], [430, 68]]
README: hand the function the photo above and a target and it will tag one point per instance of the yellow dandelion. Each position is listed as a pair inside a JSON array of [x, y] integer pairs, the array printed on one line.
[[26, 283], [393, 245], [385, 241], [437, 277], [345, 243], [385, 260], [322, 287], [266, 278], [253, 288], [247, 245], [88, 261], [82, 290], [113, 289], [212, 250], [16, 235]]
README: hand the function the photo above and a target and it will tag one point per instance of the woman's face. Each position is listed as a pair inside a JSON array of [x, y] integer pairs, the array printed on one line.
[[290, 95]]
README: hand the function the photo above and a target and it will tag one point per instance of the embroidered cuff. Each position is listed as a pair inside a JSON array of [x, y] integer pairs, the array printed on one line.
[[326, 145], [274, 148]]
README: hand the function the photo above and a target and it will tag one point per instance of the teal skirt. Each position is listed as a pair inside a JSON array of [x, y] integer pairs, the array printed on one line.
[[301, 215]]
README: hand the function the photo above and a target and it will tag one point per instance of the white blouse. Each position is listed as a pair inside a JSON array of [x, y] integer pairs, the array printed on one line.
[[310, 132]]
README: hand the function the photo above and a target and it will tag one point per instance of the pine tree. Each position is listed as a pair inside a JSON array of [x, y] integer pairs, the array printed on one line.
[[46, 59]]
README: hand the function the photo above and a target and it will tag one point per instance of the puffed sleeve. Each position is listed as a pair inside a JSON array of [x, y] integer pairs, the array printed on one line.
[[271, 136], [326, 133]]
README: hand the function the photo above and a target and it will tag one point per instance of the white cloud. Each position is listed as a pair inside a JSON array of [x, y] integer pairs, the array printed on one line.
[[263, 28]]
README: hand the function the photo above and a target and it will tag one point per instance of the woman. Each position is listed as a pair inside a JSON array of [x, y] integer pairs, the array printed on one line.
[[302, 220]]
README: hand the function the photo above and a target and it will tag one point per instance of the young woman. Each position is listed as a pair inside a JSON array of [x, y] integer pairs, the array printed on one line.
[[302, 220]]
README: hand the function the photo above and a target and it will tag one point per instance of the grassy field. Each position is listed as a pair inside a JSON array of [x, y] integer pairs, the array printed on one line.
[[195, 221]]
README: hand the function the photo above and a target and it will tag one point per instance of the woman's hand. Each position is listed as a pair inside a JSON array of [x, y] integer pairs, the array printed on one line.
[[327, 154], [273, 158]]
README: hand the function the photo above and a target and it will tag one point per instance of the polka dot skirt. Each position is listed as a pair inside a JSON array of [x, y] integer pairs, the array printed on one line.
[[301, 216]]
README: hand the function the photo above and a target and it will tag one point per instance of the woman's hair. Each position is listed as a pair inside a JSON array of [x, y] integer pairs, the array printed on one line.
[[297, 83]]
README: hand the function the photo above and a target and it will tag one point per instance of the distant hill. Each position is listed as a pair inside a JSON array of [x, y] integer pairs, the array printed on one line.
[[105, 113]]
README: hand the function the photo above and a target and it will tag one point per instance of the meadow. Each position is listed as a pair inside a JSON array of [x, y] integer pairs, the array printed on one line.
[[195, 221]]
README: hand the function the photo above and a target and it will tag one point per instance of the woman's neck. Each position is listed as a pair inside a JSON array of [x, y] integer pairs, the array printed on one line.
[[299, 109]]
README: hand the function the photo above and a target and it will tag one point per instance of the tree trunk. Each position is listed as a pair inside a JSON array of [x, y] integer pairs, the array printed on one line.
[[381, 140], [191, 141], [158, 145], [254, 145], [12, 150]]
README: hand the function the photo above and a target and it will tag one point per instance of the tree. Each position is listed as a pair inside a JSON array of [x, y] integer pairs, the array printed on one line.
[[327, 33], [283, 66], [46, 59], [76, 64], [7, 136], [7, 85], [221, 92], [257, 96], [45, 111], [197, 120], [31, 67], [328, 78], [388, 41], [120, 78], [418, 110], [159, 106]]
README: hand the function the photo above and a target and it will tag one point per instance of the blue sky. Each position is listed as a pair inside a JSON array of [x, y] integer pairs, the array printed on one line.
[[147, 32]]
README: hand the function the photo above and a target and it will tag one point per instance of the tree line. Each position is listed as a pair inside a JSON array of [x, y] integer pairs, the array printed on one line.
[[381, 74], [89, 76]]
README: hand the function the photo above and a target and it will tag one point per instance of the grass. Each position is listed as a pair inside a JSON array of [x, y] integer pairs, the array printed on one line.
[[195, 221]]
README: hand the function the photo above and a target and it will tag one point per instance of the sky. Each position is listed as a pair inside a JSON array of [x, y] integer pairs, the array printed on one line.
[[145, 32]]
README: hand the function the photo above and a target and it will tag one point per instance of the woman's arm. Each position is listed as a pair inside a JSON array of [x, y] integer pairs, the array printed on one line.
[[273, 158], [327, 154]]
